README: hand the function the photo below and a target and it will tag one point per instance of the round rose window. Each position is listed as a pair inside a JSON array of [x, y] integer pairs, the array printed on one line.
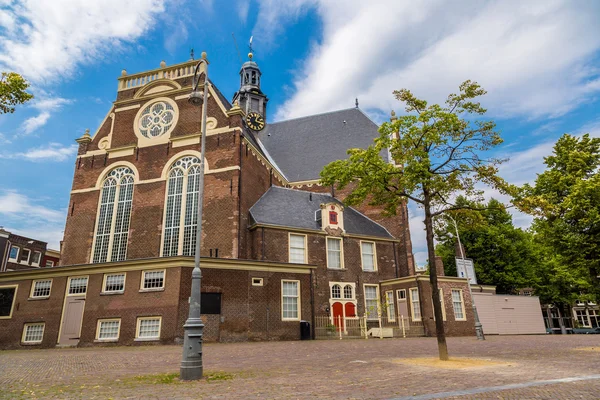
[[156, 119]]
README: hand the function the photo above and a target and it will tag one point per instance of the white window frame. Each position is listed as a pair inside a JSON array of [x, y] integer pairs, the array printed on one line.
[[24, 335], [184, 164], [298, 297], [87, 284], [23, 250], [16, 259], [49, 262], [104, 280], [341, 252], [112, 339], [143, 289], [462, 303], [257, 281], [123, 177], [362, 259], [390, 303], [34, 283], [12, 307], [412, 305], [139, 323], [377, 299], [290, 248], [36, 264]]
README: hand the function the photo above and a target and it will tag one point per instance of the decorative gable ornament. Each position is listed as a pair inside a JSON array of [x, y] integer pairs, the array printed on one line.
[[332, 216]]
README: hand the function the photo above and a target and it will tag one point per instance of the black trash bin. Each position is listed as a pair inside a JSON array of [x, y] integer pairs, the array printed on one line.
[[304, 330]]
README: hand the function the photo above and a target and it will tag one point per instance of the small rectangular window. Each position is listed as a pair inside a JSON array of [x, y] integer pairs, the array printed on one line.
[[153, 280], [33, 333], [401, 294], [415, 304], [108, 329], [41, 288], [334, 253], [372, 301], [78, 285], [14, 254], [49, 263], [257, 281], [37, 257], [458, 305], [210, 303], [290, 300], [148, 328], [7, 301], [297, 249], [369, 262], [114, 283], [25, 254]]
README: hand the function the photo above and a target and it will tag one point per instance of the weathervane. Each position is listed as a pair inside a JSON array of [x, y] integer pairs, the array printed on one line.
[[192, 53], [251, 53]]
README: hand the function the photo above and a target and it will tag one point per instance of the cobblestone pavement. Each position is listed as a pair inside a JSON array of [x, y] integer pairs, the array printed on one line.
[[347, 369]]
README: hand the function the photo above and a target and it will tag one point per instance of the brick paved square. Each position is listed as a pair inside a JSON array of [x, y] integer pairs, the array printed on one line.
[[347, 369]]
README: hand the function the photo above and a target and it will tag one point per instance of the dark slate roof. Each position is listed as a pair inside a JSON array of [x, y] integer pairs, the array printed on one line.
[[301, 147], [294, 209]]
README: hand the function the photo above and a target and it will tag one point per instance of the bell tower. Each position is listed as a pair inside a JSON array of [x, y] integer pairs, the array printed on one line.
[[249, 96]]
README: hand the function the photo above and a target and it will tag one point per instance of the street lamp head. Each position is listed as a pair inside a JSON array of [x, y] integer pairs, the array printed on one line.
[[196, 98]]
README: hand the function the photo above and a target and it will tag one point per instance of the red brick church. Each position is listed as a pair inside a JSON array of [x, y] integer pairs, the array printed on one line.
[[277, 247]]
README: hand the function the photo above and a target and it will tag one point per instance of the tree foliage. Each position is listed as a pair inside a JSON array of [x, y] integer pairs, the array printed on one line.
[[436, 153], [503, 256], [565, 200], [12, 92]]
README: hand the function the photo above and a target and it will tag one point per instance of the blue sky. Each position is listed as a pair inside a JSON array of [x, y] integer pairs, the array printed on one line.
[[539, 61]]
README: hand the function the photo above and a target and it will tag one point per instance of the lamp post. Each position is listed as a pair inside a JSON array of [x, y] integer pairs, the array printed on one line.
[[478, 326], [191, 362]]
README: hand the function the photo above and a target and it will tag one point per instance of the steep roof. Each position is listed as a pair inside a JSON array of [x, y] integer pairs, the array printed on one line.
[[295, 209], [301, 147]]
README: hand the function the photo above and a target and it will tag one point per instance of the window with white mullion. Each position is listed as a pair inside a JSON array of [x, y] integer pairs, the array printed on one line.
[[121, 234], [191, 211], [297, 249], [174, 196], [103, 229]]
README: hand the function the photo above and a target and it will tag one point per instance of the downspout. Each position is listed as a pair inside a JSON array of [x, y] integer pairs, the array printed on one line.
[[312, 306], [395, 258], [240, 202]]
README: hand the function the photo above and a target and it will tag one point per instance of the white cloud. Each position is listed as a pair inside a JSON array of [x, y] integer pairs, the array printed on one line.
[[51, 152], [46, 40], [243, 6], [531, 56], [24, 216], [47, 105], [32, 124]]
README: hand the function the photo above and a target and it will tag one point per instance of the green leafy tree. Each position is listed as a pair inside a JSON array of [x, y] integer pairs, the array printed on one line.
[[436, 154], [565, 200], [12, 92], [503, 256]]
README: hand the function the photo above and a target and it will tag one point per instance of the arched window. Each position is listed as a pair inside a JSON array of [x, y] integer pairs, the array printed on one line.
[[348, 292], [181, 216], [112, 227], [336, 292]]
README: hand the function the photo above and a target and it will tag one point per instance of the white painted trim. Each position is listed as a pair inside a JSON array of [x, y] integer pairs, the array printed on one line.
[[391, 316], [28, 256], [87, 284], [103, 121], [133, 107], [378, 298], [104, 291], [290, 234], [143, 279], [25, 332], [341, 252], [257, 281], [98, 329], [412, 307], [137, 329], [462, 305], [362, 260], [33, 263], [32, 290], [104, 174], [16, 259], [298, 297], [143, 141]]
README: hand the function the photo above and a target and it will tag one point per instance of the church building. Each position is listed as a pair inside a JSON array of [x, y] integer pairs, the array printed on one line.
[[277, 247]]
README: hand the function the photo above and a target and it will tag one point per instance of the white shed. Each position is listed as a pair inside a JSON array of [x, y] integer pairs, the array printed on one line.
[[509, 315]]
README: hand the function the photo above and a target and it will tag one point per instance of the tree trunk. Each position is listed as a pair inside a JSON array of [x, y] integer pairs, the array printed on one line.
[[435, 293]]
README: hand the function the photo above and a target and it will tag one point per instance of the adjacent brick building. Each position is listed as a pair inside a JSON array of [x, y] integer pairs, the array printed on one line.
[[277, 247], [20, 252]]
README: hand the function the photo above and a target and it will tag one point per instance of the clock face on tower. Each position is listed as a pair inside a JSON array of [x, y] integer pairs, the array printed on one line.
[[255, 121]]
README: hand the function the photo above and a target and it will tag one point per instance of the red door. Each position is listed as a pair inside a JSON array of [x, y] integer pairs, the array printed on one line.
[[338, 315]]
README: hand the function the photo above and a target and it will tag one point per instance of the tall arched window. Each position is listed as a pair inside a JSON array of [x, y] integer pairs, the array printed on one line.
[[112, 228], [181, 214]]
